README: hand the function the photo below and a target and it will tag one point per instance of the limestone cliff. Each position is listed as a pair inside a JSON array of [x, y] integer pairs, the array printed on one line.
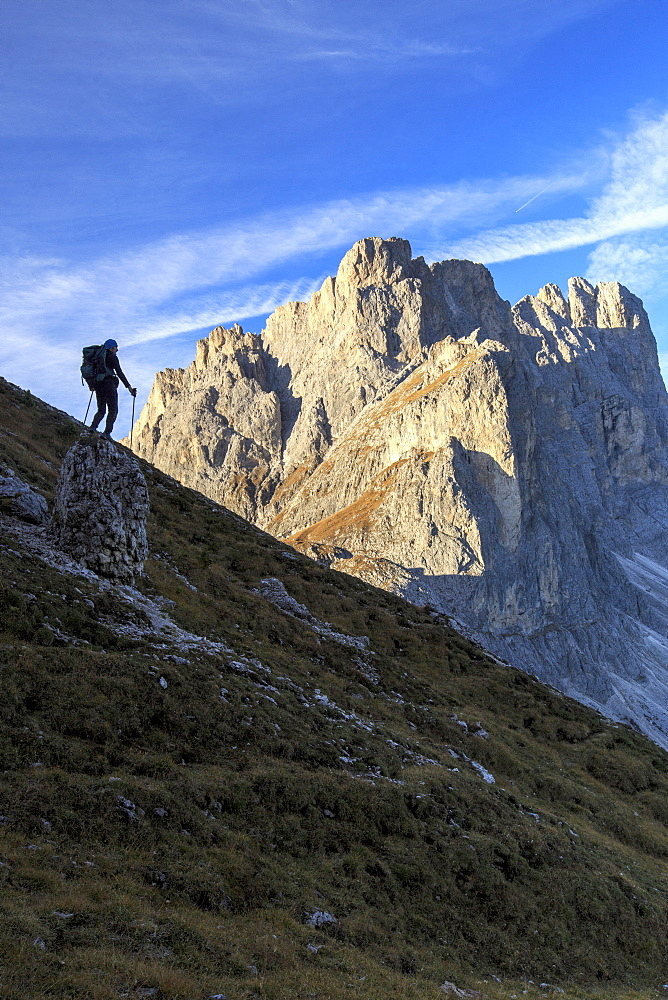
[[507, 466]]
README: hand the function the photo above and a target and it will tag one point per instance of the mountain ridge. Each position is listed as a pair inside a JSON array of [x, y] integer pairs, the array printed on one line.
[[507, 466]]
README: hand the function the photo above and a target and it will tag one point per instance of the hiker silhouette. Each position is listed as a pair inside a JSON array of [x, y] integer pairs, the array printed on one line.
[[104, 384]]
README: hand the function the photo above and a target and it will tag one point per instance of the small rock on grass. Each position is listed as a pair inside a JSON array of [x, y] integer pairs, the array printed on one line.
[[320, 918]]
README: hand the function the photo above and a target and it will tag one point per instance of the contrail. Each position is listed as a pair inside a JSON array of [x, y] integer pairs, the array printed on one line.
[[534, 197]]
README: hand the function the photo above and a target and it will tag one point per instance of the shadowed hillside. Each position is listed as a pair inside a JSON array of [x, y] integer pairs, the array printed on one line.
[[254, 777]]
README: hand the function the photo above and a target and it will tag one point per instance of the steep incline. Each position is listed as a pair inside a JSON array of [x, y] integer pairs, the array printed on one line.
[[247, 776], [508, 467]]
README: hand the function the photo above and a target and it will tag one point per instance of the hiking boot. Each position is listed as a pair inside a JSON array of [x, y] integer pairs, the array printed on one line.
[[107, 435]]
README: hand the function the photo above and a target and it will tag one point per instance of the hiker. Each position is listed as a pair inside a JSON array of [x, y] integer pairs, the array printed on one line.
[[106, 389]]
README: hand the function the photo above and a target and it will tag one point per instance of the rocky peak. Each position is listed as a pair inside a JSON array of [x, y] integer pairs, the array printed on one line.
[[374, 261], [233, 349], [582, 302], [553, 297], [508, 467], [618, 308], [608, 305], [472, 303]]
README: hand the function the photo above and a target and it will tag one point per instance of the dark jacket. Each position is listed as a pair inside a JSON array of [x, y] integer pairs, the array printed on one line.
[[111, 362]]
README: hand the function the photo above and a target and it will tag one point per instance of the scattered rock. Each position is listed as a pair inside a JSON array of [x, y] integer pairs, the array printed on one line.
[[320, 918], [483, 772], [453, 991], [129, 808], [273, 590], [17, 499]]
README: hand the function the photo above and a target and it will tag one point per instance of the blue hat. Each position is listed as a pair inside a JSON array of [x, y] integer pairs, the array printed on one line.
[[110, 343]]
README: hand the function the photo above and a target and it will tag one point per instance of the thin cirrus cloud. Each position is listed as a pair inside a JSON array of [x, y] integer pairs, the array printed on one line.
[[379, 49], [227, 307], [91, 68], [468, 25], [130, 288], [635, 261], [148, 42], [190, 281], [634, 199], [187, 282], [491, 31]]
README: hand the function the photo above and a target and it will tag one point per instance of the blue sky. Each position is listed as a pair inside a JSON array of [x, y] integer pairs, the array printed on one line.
[[169, 165]]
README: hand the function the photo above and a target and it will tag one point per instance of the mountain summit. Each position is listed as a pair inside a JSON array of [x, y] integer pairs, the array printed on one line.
[[507, 466]]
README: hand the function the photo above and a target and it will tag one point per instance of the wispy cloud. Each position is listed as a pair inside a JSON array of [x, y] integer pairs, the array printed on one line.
[[634, 199], [125, 290], [159, 292], [49, 308], [332, 30], [638, 262], [375, 49], [447, 29], [90, 67], [228, 307]]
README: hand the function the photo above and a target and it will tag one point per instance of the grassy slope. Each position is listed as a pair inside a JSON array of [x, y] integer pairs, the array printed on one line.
[[245, 818]]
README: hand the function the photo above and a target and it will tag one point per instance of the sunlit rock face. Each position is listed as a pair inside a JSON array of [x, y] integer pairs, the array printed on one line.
[[507, 466]]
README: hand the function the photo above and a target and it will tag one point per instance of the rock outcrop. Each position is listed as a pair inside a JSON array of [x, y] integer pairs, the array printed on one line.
[[100, 510], [507, 466], [17, 499]]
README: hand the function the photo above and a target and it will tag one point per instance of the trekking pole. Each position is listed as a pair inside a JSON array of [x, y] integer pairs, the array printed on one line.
[[88, 407], [133, 419]]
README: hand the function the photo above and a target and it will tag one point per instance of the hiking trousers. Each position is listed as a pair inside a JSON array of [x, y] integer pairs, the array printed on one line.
[[106, 396]]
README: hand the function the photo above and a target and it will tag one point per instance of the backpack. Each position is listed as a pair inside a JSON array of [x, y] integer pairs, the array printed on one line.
[[94, 367]]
